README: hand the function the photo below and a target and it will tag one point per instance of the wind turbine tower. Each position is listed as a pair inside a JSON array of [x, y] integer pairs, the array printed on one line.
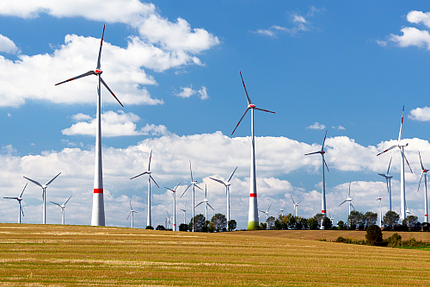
[[206, 202], [349, 200], [296, 205], [324, 165], [19, 199], [388, 178], [132, 212], [193, 184], [402, 168], [44, 187], [184, 210], [424, 174], [62, 206], [379, 198], [148, 172], [98, 211], [253, 210], [174, 204], [227, 193]]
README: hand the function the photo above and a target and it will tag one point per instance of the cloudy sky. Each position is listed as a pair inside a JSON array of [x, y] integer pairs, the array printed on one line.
[[320, 65]]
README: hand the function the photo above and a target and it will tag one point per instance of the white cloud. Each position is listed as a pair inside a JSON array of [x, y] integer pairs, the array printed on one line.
[[418, 17], [420, 114], [187, 92], [160, 45], [279, 161], [7, 45], [316, 126], [113, 125]]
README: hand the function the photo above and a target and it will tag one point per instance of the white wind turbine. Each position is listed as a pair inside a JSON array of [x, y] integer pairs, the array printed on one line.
[[253, 210], [296, 205], [98, 212], [132, 212], [349, 200], [148, 172], [206, 203], [62, 206], [379, 198], [19, 199], [44, 187], [184, 210], [227, 192], [402, 168], [266, 212], [388, 178], [322, 152], [193, 184], [424, 173], [174, 204]]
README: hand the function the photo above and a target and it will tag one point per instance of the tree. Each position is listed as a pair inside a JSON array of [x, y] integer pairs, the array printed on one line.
[[341, 225], [270, 222], [313, 224], [219, 221], [291, 221], [205, 227], [149, 227], [411, 222], [391, 219], [356, 220], [373, 235], [160, 227], [183, 227], [326, 223], [199, 221], [319, 218], [370, 218], [232, 225], [263, 225]]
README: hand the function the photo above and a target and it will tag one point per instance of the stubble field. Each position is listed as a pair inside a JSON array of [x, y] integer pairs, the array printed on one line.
[[55, 255]]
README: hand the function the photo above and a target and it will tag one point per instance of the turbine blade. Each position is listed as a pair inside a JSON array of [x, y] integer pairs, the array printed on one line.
[[128, 215], [352, 206], [55, 203], [64, 204], [172, 190], [421, 162], [49, 182], [77, 77], [210, 206], [342, 202], [401, 125], [139, 175], [388, 149], [33, 181], [218, 180], [404, 155], [349, 190], [100, 51], [247, 109], [292, 199], [191, 172], [103, 82], [150, 176], [22, 210], [149, 161], [310, 153], [263, 110], [322, 147], [246, 92], [419, 183], [176, 188], [11, 197], [231, 176], [22, 192], [198, 186], [325, 162], [186, 190], [389, 165], [199, 203], [131, 206]]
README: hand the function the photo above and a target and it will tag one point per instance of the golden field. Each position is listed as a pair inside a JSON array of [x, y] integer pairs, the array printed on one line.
[[55, 255]]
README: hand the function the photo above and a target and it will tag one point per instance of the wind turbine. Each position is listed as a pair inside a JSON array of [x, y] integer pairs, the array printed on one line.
[[253, 210], [402, 168], [44, 187], [98, 212], [63, 206], [184, 210], [349, 200], [388, 180], [206, 202], [19, 199], [174, 205], [193, 184], [322, 152], [379, 198], [424, 173], [148, 172], [227, 192], [296, 205], [266, 212], [132, 212]]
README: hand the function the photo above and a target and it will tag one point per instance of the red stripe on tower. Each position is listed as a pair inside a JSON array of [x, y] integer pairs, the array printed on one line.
[[252, 195], [98, 190], [322, 211]]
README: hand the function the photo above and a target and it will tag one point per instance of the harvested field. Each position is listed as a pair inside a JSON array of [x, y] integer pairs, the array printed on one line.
[[55, 255]]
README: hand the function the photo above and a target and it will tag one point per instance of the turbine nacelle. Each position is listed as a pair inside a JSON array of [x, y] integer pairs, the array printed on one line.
[[98, 72]]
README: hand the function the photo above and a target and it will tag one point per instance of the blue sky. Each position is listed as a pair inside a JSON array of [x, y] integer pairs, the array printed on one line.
[[320, 65]]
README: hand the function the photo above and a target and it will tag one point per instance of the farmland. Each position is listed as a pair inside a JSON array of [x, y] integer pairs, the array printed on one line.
[[54, 255]]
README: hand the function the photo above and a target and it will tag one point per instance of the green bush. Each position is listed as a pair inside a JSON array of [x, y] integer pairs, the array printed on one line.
[[394, 240], [373, 235]]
